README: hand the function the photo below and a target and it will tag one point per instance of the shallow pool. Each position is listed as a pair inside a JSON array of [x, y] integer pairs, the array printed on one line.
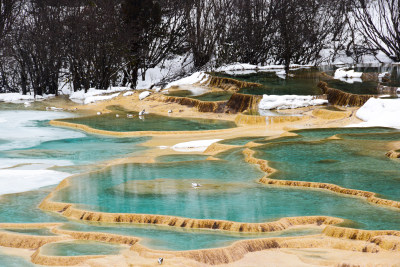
[[80, 248], [305, 81], [230, 192], [150, 122], [353, 162]]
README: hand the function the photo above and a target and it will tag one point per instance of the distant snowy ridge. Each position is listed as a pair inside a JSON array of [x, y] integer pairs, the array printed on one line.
[[289, 102]]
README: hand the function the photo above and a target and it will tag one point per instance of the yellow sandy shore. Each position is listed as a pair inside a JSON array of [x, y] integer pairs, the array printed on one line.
[[335, 247]]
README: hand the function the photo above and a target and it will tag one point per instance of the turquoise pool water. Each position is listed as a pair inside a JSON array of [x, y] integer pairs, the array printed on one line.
[[241, 141], [391, 136], [229, 187], [165, 189], [354, 162], [214, 96], [149, 122], [209, 96], [80, 248], [37, 232], [318, 134], [22, 208], [14, 261], [306, 80], [82, 150], [164, 238], [273, 85], [180, 157]]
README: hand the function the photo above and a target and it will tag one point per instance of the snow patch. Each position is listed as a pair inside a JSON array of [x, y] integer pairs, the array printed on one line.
[[288, 102], [94, 95], [19, 98], [380, 112], [143, 95], [197, 77], [194, 146], [94, 99], [128, 93], [346, 75]]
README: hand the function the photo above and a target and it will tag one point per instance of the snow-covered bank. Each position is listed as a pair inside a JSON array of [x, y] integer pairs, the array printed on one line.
[[243, 68], [197, 77], [380, 112], [19, 98], [288, 102], [94, 95], [194, 146], [144, 94]]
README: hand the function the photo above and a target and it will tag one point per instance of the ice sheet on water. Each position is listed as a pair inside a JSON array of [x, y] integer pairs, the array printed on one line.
[[16, 181], [20, 130]]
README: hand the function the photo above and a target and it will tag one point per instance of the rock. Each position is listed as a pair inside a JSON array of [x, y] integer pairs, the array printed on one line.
[[393, 154]]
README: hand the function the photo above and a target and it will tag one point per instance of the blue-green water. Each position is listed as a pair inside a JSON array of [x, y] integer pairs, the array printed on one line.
[[22, 208], [354, 162], [180, 157], [138, 188], [165, 238], [391, 136], [150, 122], [229, 187], [273, 85], [209, 96], [214, 96], [305, 81], [318, 134], [241, 141], [38, 231], [82, 150], [80, 248], [14, 261]]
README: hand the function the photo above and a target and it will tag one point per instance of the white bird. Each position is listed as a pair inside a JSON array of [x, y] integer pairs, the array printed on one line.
[[170, 111], [141, 113], [117, 115], [129, 115], [98, 113], [196, 185], [160, 260]]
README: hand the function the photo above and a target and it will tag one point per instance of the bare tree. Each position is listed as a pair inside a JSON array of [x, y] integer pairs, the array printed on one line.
[[304, 28], [379, 23], [249, 31], [205, 22], [9, 10]]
